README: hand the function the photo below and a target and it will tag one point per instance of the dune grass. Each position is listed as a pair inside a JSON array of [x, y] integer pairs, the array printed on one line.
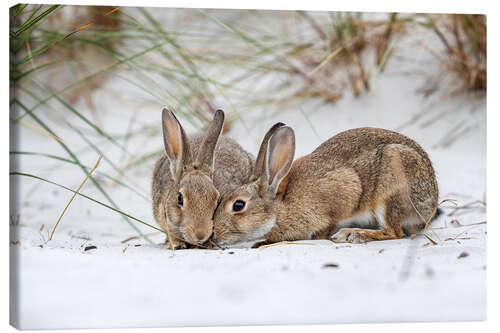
[[464, 39]]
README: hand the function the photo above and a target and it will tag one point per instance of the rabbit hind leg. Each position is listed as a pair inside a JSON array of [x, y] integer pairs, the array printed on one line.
[[389, 217]]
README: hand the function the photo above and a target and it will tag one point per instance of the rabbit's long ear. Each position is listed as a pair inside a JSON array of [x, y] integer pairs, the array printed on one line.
[[205, 157], [176, 144], [260, 162], [280, 153]]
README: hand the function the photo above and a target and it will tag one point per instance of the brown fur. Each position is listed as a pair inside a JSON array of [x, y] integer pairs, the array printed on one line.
[[202, 176], [357, 173]]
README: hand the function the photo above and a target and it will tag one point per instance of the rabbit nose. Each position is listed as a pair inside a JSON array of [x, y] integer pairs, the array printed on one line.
[[200, 236]]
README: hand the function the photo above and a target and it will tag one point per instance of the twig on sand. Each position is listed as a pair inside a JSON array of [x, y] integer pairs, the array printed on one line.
[[430, 239], [458, 224], [453, 201], [129, 239], [477, 223], [465, 231], [283, 243], [74, 195], [469, 205]]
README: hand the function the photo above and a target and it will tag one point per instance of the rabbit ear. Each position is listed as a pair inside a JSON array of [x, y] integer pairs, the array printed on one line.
[[260, 162], [280, 153], [176, 144], [207, 149]]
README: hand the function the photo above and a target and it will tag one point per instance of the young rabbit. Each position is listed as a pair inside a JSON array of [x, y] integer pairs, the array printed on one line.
[[189, 178], [361, 185]]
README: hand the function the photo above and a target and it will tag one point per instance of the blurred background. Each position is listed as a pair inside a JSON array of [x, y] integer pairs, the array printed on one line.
[[91, 81]]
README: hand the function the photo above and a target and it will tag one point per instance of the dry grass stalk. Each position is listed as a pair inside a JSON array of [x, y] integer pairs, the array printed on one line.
[[344, 66], [430, 239], [464, 41], [283, 243], [39, 130], [99, 20], [427, 222], [74, 195], [382, 41], [471, 205]]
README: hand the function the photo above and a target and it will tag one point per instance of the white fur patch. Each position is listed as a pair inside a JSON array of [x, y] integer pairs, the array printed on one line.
[[253, 237], [262, 230], [361, 219], [380, 216], [366, 219]]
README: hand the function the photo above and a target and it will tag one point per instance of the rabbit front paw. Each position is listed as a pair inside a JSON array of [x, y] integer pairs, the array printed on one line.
[[348, 235], [175, 244]]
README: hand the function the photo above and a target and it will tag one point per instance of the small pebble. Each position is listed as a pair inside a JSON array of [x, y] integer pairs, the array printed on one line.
[[330, 265], [463, 255], [91, 247], [230, 252], [381, 250]]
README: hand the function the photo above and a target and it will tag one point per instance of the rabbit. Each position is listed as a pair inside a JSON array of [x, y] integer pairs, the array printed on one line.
[[190, 177], [361, 185]]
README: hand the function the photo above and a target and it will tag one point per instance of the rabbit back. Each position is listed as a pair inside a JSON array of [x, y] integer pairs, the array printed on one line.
[[361, 175]]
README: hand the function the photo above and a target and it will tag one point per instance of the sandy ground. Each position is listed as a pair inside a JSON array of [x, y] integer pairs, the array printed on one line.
[[58, 284]]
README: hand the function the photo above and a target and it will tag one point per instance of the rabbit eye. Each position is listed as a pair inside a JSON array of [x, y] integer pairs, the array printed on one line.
[[180, 199], [238, 205]]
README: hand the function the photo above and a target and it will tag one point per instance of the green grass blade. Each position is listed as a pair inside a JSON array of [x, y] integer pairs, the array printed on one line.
[[90, 143], [14, 78], [18, 9], [16, 173], [75, 158], [100, 173], [31, 22]]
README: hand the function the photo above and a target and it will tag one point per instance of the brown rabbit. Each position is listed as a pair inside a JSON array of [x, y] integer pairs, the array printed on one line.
[[361, 185], [189, 178]]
